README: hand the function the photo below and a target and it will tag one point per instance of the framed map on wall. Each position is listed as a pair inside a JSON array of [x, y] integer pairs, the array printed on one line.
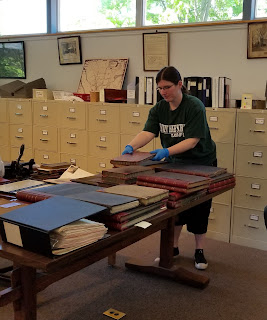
[[102, 74]]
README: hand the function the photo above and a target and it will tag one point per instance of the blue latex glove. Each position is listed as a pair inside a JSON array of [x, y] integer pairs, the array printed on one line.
[[128, 149], [160, 154]]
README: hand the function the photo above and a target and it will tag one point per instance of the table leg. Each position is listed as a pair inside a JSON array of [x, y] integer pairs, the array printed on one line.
[[26, 307], [165, 266]]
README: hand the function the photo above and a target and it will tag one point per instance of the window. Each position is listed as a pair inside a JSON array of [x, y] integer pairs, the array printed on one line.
[[22, 17], [261, 9], [96, 14], [158, 12]]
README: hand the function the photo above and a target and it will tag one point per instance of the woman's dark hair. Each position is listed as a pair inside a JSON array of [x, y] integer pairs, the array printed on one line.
[[170, 74]]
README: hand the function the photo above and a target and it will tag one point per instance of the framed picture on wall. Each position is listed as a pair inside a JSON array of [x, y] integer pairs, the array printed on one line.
[[12, 60], [69, 50], [155, 50], [257, 40]]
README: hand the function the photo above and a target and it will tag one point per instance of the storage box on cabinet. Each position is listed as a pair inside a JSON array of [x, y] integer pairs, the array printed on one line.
[[133, 118], [45, 138], [46, 113], [73, 141], [104, 118], [104, 144], [73, 115], [20, 111], [75, 159], [97, 165], [219, 222]]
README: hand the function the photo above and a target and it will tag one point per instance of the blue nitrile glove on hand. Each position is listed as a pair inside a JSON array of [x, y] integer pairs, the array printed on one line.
[[128, 149], [160, 154]]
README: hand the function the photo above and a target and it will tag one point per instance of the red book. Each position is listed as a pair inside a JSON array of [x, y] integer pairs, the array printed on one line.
[[174, 196], [175, 179], [230, 185], [134, 158], [181, 202], [32, 196]]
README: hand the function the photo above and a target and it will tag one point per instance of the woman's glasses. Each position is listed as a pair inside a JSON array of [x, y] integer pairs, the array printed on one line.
[[164, 88]]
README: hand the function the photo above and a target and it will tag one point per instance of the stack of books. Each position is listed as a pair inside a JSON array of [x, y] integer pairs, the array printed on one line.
[[221, 182], [125, 174]]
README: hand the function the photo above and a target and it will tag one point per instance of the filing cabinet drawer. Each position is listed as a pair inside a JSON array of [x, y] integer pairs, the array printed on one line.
[[222, 125], [75, 159], [249, 223], [46, 157], [46, 113], [45, 138], [104, 118], [73, 141], [4, 134], [251, 161], [223, 198], [126, 138], [73, 115], [225, 156], [133, 118], [219, 219], [250, 193], [5, 153], [27, 154], [20, 111], [104, 145], [3, 110], [20, 134], [97, 165], [252, 127]]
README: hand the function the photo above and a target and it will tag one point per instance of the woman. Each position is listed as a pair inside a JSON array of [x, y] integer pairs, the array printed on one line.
[[180, 119]]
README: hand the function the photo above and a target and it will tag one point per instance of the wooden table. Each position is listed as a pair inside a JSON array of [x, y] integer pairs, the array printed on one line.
[[26, 282]]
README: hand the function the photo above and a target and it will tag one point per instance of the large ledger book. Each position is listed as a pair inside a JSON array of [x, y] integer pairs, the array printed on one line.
[[30, 227], [194, 169], [183, 201], [133, 213], [135, 158], [175, 179], [126, 224], [144, 194], [13, 187], [32, 196], [114, 202], [168, 187]]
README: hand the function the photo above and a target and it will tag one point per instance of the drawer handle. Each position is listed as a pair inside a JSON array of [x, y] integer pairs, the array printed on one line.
[[71, 118], [213, 128], [19, 137], [134, 122], [250, 226], [44, 140], [255, 163], [253, 195], [18, 114], [44, 115], [101, 120], [257, 131], [101, 147], [71, 142]]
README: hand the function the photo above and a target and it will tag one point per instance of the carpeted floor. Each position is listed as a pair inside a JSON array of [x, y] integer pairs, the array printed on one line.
[[237, 289]]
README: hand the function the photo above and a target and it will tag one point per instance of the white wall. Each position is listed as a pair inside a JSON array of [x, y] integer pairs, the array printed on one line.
[[195, 51]]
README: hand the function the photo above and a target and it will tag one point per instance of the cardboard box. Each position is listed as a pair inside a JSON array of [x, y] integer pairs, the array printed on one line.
[[258, 104], [19, 89], [42, 94], [30, 227]]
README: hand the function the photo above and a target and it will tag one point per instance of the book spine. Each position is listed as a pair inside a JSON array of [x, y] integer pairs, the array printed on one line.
[[173, 196], [159, 186], [222, 187], [115, 226], [221, 183], [28, 196]]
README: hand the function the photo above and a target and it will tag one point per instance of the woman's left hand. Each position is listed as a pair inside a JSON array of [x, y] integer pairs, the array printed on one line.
[[160, 154]]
